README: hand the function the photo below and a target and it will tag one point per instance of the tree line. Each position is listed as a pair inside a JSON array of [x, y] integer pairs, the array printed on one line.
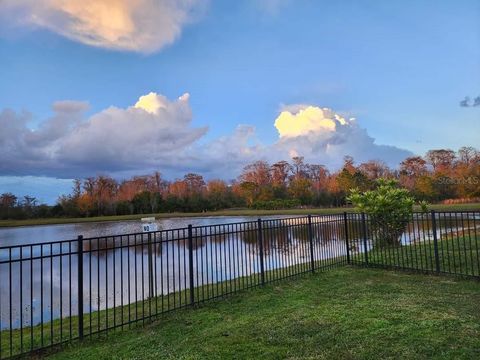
[[441, 175]]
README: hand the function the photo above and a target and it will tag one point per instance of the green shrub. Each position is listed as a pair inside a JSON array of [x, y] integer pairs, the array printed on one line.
[[389, 209], [277, 204]]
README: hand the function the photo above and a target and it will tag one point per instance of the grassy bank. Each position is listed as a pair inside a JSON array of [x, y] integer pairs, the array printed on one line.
[[456, 255], [52, 333], [232, 212], [343, 313]]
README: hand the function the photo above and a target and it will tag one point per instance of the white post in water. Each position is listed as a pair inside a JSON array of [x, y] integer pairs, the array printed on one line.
[[149, 226]]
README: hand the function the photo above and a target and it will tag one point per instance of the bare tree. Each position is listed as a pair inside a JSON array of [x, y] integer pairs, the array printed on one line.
[[279, 172], [257, 173], [467, 154], [298, 167], [413, 166], [318, 174], [440, 159], [194, 182], [374, 169]]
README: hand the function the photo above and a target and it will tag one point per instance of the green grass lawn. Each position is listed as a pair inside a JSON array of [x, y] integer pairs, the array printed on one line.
[[58, 331], [231, 212], [348, 313], [456, 255]]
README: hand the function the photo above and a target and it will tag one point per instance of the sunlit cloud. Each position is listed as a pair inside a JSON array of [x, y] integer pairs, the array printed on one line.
[[302, 119], [323, 136], [154, 103], [134, 25]]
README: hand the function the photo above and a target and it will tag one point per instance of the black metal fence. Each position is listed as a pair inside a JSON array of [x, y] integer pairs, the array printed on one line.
[[433, 242], [52, 293]]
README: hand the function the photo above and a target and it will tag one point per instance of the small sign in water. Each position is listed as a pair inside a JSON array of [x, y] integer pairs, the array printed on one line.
[[148, 224]]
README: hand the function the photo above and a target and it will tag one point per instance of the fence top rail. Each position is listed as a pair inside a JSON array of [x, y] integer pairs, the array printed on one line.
[[453, 212], [184, 230], [426, 213]]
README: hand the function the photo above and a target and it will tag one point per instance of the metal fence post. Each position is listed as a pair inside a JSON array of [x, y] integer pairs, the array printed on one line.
[[345, 221], [150, 266], [190, 263], [435, 241], [364, 228], [260, 244], [310, 238], [80, 285]]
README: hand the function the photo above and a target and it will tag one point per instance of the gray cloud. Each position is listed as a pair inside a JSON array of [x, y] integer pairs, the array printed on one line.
[[115, 139], [156, 134]]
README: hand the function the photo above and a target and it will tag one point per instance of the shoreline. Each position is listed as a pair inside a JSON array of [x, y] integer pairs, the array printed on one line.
[[232, 212], [220, 213]]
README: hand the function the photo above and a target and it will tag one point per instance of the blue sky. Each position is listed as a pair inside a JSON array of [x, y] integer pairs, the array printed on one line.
[[399, 67]]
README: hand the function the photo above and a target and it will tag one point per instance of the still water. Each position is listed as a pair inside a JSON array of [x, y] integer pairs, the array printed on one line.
[[47, 233], [38, 283]]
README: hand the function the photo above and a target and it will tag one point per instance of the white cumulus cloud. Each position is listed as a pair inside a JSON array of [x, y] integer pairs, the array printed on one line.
[[133, 25]]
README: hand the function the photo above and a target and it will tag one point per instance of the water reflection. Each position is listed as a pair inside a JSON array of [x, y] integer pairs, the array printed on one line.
[[48, 233], [39, 281]]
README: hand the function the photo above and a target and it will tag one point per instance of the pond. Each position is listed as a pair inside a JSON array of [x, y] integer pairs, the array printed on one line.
[[39, 271], [38, 283], [47, 233]]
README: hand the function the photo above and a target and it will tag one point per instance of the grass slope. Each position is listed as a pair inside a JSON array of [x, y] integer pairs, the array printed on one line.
[[345, 313], [52, 333], [232, 212], [456, 255]]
